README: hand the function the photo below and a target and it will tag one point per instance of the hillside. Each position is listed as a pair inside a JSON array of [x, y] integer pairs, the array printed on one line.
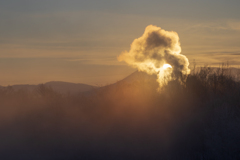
[[60, 87], [197, 118]]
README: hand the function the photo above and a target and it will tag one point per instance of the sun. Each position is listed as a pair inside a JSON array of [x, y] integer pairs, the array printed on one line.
[[165, 66]]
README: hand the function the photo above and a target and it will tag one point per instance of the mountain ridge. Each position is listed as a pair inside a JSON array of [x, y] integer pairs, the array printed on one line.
[[136, 77], [58, 86]]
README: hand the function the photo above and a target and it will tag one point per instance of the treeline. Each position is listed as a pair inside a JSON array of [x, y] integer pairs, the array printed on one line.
[[197, 117]]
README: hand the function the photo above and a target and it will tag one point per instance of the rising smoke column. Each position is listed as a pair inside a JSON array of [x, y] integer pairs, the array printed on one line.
[[157, 52]]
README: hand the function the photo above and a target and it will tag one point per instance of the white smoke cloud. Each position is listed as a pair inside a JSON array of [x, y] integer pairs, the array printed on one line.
[[157, 52]]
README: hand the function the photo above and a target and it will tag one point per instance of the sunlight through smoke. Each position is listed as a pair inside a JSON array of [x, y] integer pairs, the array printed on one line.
[[157, 52], [165, 66]]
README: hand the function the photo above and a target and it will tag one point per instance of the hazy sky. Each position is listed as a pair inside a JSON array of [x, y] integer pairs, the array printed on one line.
[[79, 41]]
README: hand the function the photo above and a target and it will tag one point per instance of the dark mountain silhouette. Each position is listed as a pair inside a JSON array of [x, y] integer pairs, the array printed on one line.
[[58, 86], [139, 76], [66, 87], [195, 119]]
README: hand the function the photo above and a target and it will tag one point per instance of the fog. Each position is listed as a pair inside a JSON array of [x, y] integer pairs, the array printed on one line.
[[129, 119]]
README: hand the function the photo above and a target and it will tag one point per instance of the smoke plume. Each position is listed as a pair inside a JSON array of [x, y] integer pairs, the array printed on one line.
[[157, 52]]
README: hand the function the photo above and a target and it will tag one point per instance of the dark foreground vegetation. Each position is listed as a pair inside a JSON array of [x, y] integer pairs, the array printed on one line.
[[199, 119]]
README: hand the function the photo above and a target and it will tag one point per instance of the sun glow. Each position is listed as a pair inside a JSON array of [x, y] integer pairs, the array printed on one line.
[[164, 74], [165, 66]]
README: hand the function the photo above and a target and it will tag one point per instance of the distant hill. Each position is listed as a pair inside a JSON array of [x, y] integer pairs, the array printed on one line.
[[133, 85], [60, 87], [66, 87], [138, 76]]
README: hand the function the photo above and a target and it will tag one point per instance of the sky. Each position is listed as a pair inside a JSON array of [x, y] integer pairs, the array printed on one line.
[[79, 41]]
